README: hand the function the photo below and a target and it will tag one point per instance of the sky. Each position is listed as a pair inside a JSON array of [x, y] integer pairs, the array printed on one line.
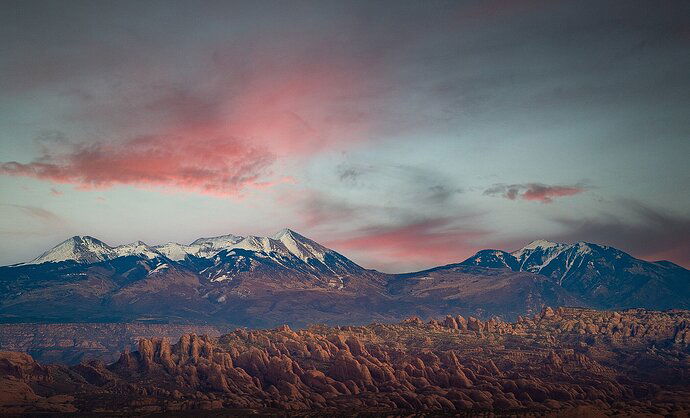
[[402, 134]]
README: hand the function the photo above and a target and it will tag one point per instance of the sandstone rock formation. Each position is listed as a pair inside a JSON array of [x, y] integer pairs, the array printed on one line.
[[565, 360], [75, 342]]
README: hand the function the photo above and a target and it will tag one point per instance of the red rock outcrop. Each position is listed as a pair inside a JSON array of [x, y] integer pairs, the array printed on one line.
[[568, 361]]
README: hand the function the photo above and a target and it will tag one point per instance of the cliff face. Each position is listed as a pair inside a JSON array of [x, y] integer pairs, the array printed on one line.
[[575, 360]]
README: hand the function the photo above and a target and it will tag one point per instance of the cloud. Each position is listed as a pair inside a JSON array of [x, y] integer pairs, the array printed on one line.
[[534, 191], [358, 195], [393, 217], [419, 183], [415, 244], [651, 234], [221, 166], [441, 193], [204, 141], [350, 173], [317, 208], [216, 136], [37, 213]]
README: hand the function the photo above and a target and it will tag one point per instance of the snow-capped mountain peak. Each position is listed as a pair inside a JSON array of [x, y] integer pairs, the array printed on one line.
[[286, 242], [599, 273], [540, 247], [261, 244], [556, 260], [222, 241], [202, 247], [82, 249], [286, 232], [175, 251], [287, 248], [300, 246], [137, 248], [538, 243]]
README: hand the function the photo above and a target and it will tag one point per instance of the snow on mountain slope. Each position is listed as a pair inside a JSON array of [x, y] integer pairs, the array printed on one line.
[[282, 247], [175, 251], [82, 249], [222, 241], [138, 249], [558, 260], [494, 259], [540, 244], [201, 247], [300, 246], [603, 276], [86, 249], [261, 244], [285, 243], [197, 280], [537, 254], [286, 249], [545, 257]]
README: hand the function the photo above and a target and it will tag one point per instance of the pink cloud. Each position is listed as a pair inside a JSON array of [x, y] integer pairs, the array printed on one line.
[[423, 243], [319, 209], [219, 138], [220, 166], [297, 102], [534, 191], [302, 112], [546, 194]]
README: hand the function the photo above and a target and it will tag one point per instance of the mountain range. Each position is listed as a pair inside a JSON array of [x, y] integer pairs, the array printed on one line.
[[289, 278], [602, 276]]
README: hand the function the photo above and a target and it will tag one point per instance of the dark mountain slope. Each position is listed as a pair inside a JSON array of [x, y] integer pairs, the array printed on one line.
[[602, 276], [478, 291], [288, 278]]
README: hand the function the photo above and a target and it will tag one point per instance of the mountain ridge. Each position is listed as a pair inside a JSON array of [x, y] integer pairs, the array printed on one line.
[[287, 277], [87, 249], [215, 244], [605, 275]]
